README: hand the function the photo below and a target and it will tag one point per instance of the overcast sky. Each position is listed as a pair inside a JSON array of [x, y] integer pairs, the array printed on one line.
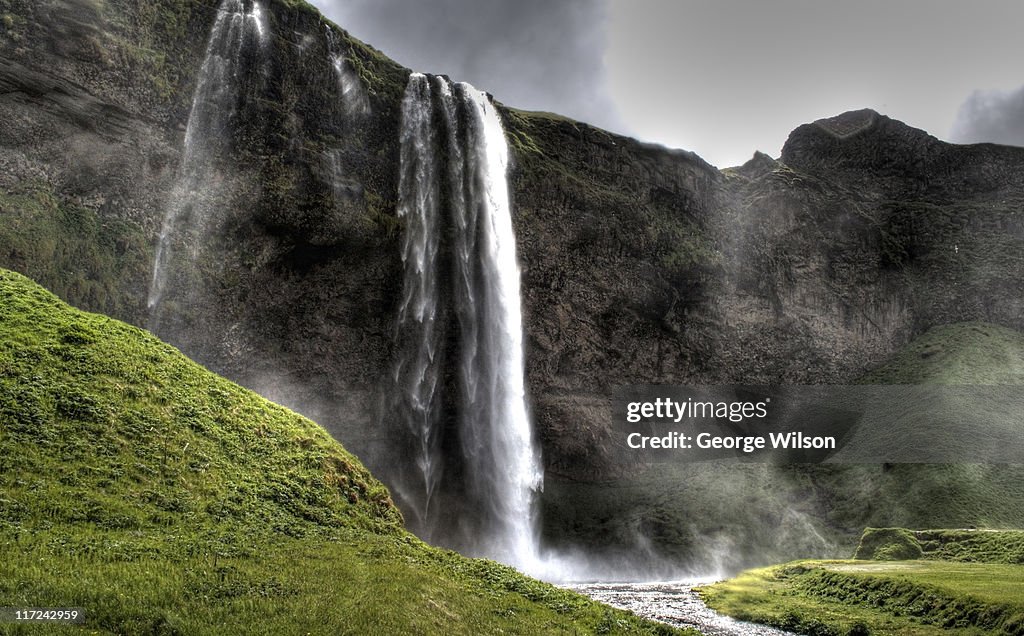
[[720, 77]]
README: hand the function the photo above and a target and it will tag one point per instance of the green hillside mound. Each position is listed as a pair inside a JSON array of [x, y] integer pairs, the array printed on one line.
[[163, 499], [965, 546], [972, 353], [973, 546], [888, 544]]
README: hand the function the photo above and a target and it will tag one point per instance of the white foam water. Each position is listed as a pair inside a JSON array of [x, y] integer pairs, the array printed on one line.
[[467, 160]]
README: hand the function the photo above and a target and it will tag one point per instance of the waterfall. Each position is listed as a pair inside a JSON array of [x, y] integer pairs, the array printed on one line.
[[495, 431], [453, 183], [214, 103], [353, 95], [417, 373], [355, 108]]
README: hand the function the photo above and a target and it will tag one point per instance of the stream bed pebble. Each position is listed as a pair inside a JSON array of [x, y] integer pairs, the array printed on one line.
[[675, 603]]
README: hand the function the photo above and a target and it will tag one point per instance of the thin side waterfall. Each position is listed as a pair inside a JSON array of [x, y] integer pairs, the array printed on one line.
[[214, 103], [350, 88], [355, 107], [453, 182]]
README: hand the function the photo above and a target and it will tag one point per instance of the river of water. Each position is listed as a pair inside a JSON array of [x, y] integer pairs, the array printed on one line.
[[675, 603]]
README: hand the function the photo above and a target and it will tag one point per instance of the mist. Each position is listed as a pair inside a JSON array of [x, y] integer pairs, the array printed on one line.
[[992, 116]]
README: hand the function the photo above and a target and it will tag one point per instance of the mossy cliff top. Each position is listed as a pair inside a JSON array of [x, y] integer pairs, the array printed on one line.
[[148, 51]]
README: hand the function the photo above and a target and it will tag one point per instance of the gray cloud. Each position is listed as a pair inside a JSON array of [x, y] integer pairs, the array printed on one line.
[[531, 54], [720, 78], [993, 116]]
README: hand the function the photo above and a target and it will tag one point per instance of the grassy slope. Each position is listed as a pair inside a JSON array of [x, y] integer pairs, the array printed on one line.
[[899, 597], [964, 353], [1005, 546], [164, 499], [967, 546]]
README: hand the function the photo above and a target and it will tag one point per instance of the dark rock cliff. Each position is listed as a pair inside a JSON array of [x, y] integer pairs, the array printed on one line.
[[640, 264], [645, 265]]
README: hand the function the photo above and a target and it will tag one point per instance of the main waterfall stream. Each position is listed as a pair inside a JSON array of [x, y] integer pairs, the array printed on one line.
[[459, 254]]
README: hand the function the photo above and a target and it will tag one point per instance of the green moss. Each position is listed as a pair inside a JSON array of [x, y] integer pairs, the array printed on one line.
[[299, 5], [83, 256], [383, 77], [967, 353], [381, 217], [164, 499], [12, 24], [888, 544], [980, 546], [688, 250], [853, 597], [516, 122], [154, 65]]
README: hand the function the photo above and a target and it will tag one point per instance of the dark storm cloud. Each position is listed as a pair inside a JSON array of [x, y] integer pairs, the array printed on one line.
[[993, 116], [531, 54]]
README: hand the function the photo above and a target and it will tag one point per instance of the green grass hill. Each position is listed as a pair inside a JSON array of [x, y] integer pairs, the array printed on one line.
[[858, 598], [164, 499], [902, 582], [964, 545], [973, 353]]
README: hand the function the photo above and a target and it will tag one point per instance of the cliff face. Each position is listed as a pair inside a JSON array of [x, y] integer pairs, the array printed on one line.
[[294, 277], [640, 264], [644, 265]]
